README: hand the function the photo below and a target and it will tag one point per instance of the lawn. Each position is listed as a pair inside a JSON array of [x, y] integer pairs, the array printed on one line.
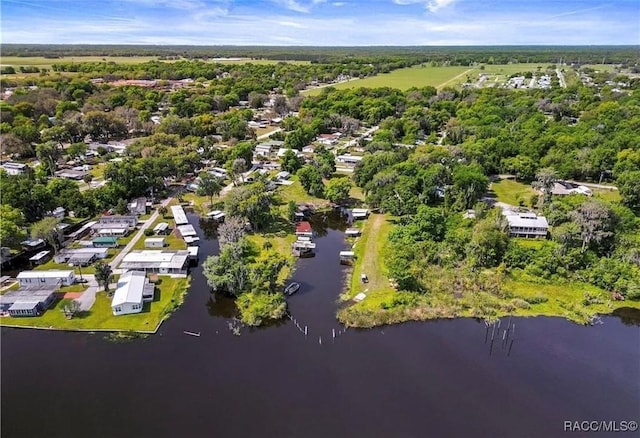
[[607, 195], [369, 250], [169, 295], [295, 192], [512, 192], [42, 62], [51, 264], [173, 240]]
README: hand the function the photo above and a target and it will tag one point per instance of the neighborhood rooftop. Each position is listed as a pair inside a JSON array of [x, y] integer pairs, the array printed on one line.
[[179, 216]]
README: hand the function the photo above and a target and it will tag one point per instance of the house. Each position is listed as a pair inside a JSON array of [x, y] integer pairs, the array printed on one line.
[[161, 228], [40, 258], [46, 278], [193, 253], [309, 149], [187, 230], [105, 242], [526, 224], [132, 291], [81, 256], [304, 229], [154, 242], [28, 300], [115, 225], [14, 168], [328, 139], [303, 247], [564, 188], [157, 261], [349, 160], [266, 149], [283, 151], [33, 244], [75, 175], [179, 216], [83, 231], [218, 172], [138, 206]]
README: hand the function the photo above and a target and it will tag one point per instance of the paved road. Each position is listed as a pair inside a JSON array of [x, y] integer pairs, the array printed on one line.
[[118, 258], [366, 133], [560, 75], [593, 185], [87, 299]]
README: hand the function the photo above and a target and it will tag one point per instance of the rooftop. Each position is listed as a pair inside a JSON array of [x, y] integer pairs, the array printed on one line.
[[179, 215], [52, 273], [130, 288]]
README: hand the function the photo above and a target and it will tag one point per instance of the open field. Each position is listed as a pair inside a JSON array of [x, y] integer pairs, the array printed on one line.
[[512, 192], [169, 295]]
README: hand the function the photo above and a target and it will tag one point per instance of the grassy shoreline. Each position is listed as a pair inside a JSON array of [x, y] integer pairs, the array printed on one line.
[[490, 294], [170, 294]]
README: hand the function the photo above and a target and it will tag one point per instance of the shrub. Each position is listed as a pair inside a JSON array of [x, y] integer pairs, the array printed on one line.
[[148, 232], [519, 303], [537, 299]]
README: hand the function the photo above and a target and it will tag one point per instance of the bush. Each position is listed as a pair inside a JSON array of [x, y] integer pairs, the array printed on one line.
[[520, 303], [148, 232], [537, 299], [256, 307]]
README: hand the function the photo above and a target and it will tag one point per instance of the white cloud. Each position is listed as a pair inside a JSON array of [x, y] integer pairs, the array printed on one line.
[[432, 5], [339, 3], [297, 6]]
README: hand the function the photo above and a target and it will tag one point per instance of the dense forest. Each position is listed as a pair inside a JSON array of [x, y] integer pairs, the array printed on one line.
[[454, 55]]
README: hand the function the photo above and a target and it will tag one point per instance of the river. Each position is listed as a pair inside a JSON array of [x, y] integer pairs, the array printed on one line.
[[436, 378]]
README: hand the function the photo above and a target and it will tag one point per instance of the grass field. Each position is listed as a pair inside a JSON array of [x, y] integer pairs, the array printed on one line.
[[512, 192], [169, 295]]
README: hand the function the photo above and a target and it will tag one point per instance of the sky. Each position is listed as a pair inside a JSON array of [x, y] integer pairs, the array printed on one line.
[[321, 22]]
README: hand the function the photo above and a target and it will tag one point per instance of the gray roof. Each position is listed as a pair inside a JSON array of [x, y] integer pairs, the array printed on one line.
[[27, 294]]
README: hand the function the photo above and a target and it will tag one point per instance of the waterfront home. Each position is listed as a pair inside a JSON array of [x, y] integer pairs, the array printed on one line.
[[347, 257], [303, 247], [51, 277], [156, 261], [360, 213], [526, 224], [132, 291], [352, 232], [179, 216], [28, 300], [216, 215]]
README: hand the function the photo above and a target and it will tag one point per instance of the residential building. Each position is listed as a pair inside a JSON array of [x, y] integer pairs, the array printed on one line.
[[132, 291], [51, 277], [162, 228], [115, 225], [283, 175], [304, 229], [350, 160], [28, 300], [105, 242], [58, 213], [81, 256], [154, 242], [526, 224], [40, 258], [138, 206], [157, 261]]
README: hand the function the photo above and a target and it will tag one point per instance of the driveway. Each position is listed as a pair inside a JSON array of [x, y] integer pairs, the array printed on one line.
[[88, 297]]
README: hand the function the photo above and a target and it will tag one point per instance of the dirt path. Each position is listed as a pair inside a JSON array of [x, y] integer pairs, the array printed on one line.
[[447, 82]]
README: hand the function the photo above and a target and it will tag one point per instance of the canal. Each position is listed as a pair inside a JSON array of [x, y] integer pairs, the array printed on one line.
[[436, 378]]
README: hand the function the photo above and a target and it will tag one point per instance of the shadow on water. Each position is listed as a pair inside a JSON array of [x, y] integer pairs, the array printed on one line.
[[628, 315]]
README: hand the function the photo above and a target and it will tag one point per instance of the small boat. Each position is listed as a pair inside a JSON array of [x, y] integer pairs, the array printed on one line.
[[292, 288], [197, 334]]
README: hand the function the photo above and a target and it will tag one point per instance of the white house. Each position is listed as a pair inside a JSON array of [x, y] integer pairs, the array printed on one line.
[[43, 278], [350, 160], [526, 224], [161, 262], [154, 242], [179, 216], [132, 291]]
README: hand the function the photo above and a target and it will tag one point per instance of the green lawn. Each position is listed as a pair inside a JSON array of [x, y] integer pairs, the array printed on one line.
[[512, 192], [607, 195], [295, 192], [169, 295], [42, 62], [172, 241], [51, 264]]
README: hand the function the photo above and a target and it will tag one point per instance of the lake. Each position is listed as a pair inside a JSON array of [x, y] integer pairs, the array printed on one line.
[[436, 378]]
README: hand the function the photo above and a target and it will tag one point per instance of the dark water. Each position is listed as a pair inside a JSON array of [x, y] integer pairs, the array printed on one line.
[[411, 380]]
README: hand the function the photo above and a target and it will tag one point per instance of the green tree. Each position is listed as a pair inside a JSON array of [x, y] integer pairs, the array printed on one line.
[[311, 180], [545, 181], [290, 162], [337, 189], [76, 150], [48, 230], [209, 185], [596, 221], [11, 226], [629, 187], [228, 271], [103, 273]]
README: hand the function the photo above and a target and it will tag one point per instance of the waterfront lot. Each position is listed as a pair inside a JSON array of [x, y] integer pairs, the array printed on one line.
[[169, 294]]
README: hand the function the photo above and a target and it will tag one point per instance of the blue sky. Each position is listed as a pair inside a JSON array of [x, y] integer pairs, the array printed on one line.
[[321, 22]]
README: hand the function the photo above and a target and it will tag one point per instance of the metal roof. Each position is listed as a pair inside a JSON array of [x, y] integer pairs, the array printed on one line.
[[129, 289], [52, 273], [179, 215], [155, 259], [187, 230]]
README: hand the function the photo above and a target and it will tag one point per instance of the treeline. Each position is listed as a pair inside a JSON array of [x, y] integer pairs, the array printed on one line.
[[455, 55]]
